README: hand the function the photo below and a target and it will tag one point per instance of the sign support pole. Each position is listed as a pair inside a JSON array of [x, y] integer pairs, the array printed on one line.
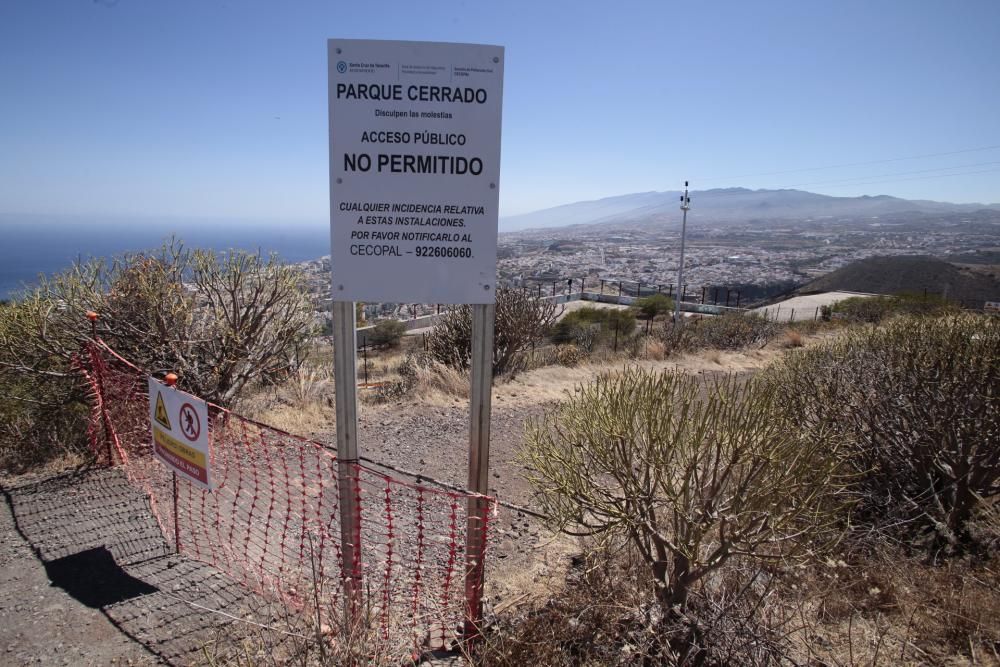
[[483, 316], [345, 375]]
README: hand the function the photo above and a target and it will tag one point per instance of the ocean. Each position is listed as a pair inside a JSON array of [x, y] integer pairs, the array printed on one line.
[[29, 247]]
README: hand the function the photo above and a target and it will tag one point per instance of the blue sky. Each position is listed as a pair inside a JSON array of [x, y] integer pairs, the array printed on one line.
[[215, 109]]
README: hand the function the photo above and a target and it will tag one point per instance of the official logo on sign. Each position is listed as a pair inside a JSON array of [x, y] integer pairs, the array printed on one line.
[[341, 67]]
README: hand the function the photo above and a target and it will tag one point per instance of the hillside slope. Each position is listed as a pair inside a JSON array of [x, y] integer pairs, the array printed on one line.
[[915, 274]]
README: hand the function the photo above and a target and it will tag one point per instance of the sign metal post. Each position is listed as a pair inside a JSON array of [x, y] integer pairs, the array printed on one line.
[[414, 182], [345, 378], [483, 317]]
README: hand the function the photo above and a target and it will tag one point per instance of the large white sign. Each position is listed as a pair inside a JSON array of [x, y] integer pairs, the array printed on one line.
[[180, 432], [414, 170]]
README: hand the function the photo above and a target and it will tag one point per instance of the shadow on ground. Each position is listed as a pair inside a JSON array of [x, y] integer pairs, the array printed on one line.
[[98, 540]]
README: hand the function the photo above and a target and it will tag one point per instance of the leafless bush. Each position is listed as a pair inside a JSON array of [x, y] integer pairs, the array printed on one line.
[[521, 320], [918, 401]]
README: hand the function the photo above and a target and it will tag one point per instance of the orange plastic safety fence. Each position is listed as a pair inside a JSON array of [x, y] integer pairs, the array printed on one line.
[[273, 521]]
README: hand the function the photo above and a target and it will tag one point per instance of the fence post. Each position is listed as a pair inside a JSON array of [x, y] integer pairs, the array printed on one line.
[[670, 290], [483, 317], [99, 377], [738, 295], [171, 381], [345, 373], [620, 282], [791, 318]]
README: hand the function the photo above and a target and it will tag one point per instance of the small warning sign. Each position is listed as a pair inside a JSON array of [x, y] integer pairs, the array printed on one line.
[[161, 412], [185, 450]]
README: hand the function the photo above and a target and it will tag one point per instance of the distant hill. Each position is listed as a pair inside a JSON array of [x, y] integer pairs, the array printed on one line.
[[914, 274], [735, 205]]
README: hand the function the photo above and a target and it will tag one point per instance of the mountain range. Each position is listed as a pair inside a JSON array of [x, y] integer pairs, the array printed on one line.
[[727, 205]]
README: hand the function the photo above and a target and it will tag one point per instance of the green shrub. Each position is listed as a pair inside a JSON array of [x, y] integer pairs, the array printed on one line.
[[650, 307], [688, 474], [589, 325], [918, 402]]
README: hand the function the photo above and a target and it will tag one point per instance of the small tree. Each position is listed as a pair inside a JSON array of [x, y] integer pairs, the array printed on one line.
[[219, 322], [386, 333], [689, 482], [521, 320], [654, 305]]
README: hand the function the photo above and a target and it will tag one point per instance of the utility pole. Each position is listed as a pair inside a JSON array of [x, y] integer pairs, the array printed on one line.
[[685, 206]]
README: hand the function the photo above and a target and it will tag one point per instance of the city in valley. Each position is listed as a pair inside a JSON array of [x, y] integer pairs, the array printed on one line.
[[752, 261]]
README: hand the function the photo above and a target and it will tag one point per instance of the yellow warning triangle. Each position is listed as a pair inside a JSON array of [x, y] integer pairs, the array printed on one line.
[[161, 412]]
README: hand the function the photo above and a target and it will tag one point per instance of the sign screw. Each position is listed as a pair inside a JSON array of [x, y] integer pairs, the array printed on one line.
[[339, 181], [493, 186], [338, 50], [496, 59]]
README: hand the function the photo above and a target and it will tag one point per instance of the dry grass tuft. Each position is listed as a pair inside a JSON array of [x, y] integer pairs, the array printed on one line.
[[793, 338], [656, 350]]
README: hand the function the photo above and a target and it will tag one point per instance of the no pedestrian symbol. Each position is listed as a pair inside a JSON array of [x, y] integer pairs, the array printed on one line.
[[190, 423]]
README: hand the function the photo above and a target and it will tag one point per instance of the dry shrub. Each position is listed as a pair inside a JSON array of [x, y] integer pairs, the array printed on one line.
[[303, 404], [878, 606], [604, 615], [689, 475], [422, 375], [793, 338], [521, 322], [569, 355], [918, 402], [733, 331], [874, 309], [656, 350]]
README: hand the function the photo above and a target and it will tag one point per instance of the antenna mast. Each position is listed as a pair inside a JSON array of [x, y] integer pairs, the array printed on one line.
[[685, 206]]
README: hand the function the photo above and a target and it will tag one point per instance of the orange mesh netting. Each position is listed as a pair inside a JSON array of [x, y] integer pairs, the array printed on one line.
[[273, 520]]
